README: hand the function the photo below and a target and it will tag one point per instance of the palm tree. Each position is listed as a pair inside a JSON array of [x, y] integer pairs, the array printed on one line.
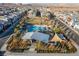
[[56, 30]]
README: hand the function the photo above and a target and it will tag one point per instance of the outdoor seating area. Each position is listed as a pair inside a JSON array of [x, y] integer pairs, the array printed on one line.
[[16, 44], [57, 44], [58, 47]]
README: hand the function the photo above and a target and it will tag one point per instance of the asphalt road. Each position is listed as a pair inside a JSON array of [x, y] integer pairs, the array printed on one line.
[[3, 40]]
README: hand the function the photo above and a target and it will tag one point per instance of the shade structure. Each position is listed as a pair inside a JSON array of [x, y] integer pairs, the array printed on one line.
[[56, 38], [37, 36]]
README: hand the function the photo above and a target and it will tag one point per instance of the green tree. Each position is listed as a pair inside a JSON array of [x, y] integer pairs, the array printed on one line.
[[57, 30]]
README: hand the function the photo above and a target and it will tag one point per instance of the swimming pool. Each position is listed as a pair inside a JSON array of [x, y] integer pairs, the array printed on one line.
[[32, 28]]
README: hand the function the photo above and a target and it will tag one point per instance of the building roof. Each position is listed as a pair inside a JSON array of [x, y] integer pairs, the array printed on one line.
[[3, 18]]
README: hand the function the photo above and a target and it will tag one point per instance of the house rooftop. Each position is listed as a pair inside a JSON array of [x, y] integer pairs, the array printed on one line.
[[3, 18]]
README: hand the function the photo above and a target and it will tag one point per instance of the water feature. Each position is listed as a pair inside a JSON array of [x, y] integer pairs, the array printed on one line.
[[35, 28]]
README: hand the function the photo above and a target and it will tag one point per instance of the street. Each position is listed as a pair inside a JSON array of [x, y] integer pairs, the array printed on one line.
[[3, 40]]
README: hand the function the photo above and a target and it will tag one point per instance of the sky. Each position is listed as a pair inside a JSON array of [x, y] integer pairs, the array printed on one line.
[[39, 1]]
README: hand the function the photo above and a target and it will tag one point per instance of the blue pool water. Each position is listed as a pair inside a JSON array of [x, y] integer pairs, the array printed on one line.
[[35, 28]]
